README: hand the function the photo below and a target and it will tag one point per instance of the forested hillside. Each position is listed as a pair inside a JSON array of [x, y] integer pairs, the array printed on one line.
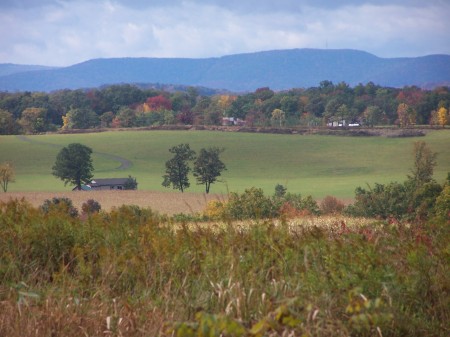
[[130, 106], [278, 69]]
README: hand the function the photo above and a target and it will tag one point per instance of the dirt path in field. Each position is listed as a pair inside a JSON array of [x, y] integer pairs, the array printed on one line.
[[124, 163]]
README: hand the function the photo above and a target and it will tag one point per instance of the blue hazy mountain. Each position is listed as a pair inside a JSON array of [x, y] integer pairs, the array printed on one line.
[[277, 69]]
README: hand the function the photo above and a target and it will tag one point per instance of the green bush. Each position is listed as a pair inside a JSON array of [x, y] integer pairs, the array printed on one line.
[[252, 204]]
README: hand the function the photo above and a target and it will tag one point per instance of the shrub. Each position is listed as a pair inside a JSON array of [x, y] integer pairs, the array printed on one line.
[[60, 204], [91, 206], [331, 205], [252, 204], [215, 210], [131, 183], [280, 191], [442, 206]]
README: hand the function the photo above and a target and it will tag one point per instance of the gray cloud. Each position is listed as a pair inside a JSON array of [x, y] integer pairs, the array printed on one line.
[[63, 32]]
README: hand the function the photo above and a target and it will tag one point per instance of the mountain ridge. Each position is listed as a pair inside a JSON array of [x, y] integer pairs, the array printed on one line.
[[277, 69]]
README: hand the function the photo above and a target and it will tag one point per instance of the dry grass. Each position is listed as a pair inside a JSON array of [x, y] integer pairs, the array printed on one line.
[[164, 202]]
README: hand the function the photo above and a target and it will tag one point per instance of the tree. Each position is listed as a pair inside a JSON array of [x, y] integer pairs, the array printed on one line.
[[278, 115], [6, 175], [442, 116], [208, 167], [424, 163], [372, 115], [342, 112], [131, 183], [158, 103], [80, 119], [177, 168], [74, 165], [406, 115], [34, 120], [8, 126]]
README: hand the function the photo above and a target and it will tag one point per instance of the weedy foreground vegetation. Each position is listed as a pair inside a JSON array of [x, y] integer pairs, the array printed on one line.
[[132, 272]]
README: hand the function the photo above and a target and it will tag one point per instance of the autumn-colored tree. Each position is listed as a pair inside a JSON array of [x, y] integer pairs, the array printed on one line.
[[158, 103], [224, 102], [8, 125], [7, 175], [34, 120], [278, 115], [434, 119], [405, 115], [442, 116]]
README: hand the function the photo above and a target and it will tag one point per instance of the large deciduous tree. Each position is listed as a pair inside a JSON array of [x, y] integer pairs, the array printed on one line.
[[74, 165], [177, 168], [6, 175], [208, 167]]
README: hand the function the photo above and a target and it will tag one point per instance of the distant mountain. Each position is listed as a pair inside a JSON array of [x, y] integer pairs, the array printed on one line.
[[9, 68], [278, 69]]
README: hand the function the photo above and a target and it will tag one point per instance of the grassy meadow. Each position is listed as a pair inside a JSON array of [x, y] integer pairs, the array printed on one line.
[[307, 164]]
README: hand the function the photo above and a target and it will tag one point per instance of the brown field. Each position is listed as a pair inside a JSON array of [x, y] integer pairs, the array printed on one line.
[[164, 202]]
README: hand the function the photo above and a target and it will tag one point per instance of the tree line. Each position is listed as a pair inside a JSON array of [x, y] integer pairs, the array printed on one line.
[[123, 106]]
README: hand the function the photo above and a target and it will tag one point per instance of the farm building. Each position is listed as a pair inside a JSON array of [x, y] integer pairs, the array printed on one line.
[[108, 184], [104, 184]]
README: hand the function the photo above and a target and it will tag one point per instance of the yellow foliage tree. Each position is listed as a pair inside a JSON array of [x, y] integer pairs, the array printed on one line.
[[7, 175], [66, 121], [225, 101], [406, 115], [278, 115], [442, 116]]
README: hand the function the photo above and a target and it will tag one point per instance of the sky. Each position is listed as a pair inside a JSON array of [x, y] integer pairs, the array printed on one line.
[[66, 32]]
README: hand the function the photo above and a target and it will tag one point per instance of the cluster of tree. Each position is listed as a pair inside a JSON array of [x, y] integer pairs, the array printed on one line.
[[73, 166], [130, 106], [207, 167]]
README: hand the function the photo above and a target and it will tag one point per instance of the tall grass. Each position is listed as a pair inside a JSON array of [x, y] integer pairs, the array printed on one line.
[[131, 272]]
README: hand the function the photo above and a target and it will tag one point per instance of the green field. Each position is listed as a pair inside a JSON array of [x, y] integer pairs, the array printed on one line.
[[313, 164]]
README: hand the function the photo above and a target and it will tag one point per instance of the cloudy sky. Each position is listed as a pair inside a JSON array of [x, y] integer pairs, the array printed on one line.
[[65, 32]]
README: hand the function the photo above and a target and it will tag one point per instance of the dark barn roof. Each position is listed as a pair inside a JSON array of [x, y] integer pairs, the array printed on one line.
[[108, 182]]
